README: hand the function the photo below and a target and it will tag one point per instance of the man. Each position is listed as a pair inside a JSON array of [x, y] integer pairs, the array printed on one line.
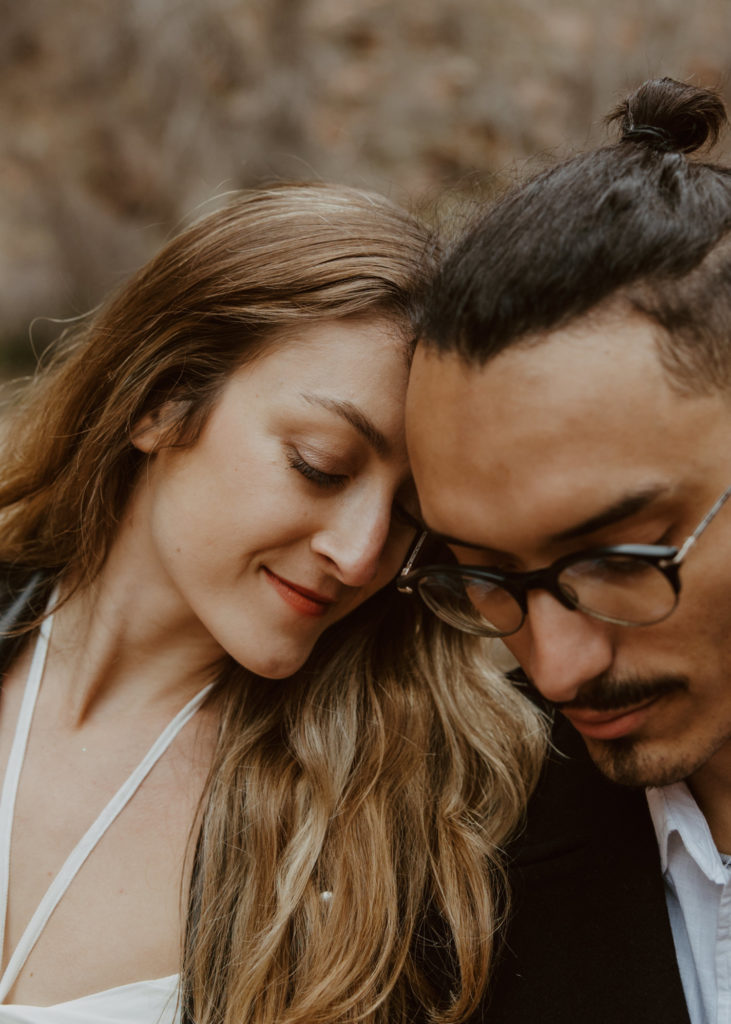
[[569, 422]]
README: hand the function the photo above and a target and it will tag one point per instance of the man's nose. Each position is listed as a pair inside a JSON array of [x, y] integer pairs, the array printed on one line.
[[560, 648]]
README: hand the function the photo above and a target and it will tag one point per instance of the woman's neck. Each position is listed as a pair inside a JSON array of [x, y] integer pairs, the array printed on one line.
[[129, 639]]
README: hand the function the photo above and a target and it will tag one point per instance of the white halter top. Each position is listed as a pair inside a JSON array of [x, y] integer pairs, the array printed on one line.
[[143, 1002]]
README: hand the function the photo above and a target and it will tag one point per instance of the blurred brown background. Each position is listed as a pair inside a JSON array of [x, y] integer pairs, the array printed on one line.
[[120, 118]]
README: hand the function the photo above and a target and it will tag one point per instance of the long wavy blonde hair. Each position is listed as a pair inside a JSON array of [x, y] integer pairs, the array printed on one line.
[[348, 851]]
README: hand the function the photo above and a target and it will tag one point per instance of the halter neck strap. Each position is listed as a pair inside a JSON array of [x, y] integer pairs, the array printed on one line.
[[89, 840]]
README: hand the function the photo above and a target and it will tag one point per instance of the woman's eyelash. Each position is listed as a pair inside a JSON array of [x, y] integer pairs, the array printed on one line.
[[317, 476]]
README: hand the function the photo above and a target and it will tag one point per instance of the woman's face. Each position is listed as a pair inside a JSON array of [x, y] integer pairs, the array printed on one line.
[[280, 519]]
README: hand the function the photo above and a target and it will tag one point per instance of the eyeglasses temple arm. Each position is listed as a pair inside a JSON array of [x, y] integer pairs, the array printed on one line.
[[690, 541], [412, 558]]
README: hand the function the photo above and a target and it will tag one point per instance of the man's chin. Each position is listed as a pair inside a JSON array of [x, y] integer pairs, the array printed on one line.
[[631, 762]]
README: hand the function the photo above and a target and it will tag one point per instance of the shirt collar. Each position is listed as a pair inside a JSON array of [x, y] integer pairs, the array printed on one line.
[[674, 811]]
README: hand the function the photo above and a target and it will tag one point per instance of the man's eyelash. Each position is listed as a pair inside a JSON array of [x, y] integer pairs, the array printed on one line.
[[309, 472]]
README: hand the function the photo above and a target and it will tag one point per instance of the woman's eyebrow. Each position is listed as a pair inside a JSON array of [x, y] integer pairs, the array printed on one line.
[[356, 418]]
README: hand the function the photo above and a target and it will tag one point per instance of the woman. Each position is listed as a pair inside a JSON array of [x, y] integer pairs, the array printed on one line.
[[209, 485]]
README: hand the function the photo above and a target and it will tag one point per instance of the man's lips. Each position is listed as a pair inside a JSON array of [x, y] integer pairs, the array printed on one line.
[[609, 725], [302, 599]]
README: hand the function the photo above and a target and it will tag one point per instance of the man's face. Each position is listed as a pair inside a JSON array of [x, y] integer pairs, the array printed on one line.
[[574, 442]]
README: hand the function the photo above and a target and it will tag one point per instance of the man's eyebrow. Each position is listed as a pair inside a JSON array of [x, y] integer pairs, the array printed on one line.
[[626, 506], [356, 418]]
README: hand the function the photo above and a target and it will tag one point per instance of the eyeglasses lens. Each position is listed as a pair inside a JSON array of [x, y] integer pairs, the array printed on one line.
[[619, 588], [472, 604], [615, 588]]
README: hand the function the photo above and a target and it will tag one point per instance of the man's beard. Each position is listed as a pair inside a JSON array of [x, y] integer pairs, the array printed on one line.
[[627, 760]]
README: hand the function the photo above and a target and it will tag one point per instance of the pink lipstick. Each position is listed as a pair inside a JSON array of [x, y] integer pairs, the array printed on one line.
[[302, 599]]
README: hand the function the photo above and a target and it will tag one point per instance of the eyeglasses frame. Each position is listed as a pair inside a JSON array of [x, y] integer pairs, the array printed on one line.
[[667, 559]]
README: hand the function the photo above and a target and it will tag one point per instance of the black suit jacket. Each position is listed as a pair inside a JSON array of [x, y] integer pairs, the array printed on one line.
[[589, 939]]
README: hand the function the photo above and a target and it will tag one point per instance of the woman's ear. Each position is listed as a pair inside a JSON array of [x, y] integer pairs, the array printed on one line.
[[154, 428]]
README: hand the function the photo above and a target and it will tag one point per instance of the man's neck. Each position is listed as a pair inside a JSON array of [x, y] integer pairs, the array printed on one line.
[[711, 787]]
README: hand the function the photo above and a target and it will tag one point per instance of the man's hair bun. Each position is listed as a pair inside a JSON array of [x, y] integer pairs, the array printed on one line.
[[670, 116]]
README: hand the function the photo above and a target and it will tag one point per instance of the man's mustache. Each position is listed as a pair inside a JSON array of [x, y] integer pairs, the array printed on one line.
[[603, 693]]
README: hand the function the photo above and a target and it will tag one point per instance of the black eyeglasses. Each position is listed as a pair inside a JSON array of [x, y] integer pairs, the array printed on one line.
[[627, 584]]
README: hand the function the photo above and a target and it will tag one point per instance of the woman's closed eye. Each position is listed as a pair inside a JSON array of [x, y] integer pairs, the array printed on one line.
[[316, 476]]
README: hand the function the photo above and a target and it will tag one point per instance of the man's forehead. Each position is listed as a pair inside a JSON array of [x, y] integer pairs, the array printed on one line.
[[574, 363], [599, 378], [552, 434], [555, 401]]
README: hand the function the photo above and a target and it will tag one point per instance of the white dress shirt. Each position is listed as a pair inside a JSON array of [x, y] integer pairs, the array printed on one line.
[[698, 894]]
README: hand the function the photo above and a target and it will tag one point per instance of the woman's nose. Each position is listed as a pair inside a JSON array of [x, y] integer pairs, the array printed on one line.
[[353, 541]]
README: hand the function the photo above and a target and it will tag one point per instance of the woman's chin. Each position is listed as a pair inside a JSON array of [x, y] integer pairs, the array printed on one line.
[[280, 665]]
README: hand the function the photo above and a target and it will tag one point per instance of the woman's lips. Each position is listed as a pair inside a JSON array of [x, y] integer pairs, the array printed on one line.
[[609, 725], [309, 602]]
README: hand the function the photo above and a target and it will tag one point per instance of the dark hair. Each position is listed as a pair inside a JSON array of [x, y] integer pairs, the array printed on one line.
[[635, 221]]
